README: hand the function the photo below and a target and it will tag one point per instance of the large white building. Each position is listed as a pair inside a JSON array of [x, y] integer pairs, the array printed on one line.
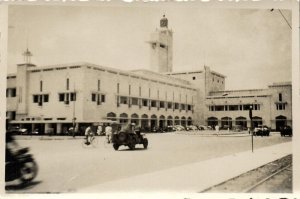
[[53, 97]]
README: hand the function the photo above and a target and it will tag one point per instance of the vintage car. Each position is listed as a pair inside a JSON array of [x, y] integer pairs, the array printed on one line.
[[286, 130], [130, 137], [261, 130], [16, 130]]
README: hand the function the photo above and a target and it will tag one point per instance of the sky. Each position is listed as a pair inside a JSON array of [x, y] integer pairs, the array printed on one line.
[[251, 47]]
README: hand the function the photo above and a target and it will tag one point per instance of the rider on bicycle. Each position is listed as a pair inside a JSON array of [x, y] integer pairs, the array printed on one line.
[[89, 133]]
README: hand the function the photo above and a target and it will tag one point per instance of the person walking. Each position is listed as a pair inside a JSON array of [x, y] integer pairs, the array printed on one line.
[[89, 133], [99, 130], [108, 133]]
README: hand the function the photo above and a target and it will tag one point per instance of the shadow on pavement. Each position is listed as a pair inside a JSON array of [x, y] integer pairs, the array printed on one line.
[[22, 186]]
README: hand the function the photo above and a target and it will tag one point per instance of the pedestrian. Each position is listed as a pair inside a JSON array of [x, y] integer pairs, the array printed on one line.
[[217, 129], [99, 130], [108, 133], [89, 133]]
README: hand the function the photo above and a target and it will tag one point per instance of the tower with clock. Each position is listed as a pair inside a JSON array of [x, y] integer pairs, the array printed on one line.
[[161, 48]]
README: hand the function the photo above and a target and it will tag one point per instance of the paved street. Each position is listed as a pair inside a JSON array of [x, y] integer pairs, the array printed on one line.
[[65, 166]]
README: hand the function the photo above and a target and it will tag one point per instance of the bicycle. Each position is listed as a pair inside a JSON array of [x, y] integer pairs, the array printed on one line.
[[93, 142]]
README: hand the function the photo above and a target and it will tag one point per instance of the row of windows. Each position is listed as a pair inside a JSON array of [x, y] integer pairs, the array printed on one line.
[[280, 106], [153, 103], [241, 107], [98, 98], [149, 92], [62, 97]]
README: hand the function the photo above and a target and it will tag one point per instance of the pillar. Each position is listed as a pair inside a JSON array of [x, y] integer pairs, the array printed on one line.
[[58, 128]]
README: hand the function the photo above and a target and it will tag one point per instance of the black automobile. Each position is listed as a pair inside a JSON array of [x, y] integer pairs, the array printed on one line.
[[129, 137], [16, 130], [261, 130], [286, 131]]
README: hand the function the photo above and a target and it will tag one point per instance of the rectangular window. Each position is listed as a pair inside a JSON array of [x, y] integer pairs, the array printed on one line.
[[93, 97], [176, 106], [13, 92], [134, 101], [72, 96], [102, 98], [140, 91], [280, 97], [162, 104], [35, 98], [129, 90], [233, 107], [123, 100], [182, 106], [67, 84], [41, 86], [67, 96], [169, 105], [98, 99], [98, 85], [153, 103], [189, 107], [220, 108], [61, 97], [280, 106], [40, 100], [7, 92], [246, 107], [145, 102], [46, 98]]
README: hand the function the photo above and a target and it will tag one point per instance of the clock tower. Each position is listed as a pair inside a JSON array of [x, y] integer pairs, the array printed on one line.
[[161, 48]]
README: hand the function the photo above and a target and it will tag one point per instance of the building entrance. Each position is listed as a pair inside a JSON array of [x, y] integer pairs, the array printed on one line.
[[280, 122]]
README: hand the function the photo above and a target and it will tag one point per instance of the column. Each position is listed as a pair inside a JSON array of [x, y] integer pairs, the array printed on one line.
[[58, 128]]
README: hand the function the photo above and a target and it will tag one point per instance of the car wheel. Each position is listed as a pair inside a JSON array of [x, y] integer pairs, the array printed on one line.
[[116, 146], [145, 143], [28, 171]]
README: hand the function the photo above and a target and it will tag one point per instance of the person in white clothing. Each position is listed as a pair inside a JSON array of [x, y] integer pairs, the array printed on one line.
[[108, 133]]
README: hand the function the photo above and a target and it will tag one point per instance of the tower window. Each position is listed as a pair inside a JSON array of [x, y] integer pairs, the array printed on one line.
[[41, 86], [194, 78], [67, 84], [98, 84], [162, 45], [280, 97]]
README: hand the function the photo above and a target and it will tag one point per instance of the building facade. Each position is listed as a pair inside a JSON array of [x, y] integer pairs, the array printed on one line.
[[53, 98]]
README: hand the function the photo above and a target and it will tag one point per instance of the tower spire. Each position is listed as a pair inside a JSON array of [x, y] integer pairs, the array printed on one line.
[[27, 56], [164, 22]]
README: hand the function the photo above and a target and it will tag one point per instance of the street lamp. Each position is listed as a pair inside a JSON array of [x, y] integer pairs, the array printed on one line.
[[251, 125]]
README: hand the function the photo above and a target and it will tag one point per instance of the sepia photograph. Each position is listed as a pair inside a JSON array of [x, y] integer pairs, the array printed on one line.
[[168, 98]]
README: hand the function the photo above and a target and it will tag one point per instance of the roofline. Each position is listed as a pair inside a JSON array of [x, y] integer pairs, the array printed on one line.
[[180, 83]]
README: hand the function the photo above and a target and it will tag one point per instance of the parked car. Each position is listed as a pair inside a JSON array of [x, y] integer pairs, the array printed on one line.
[[170, 129], [16, 130], [192, 128], [261, 130], [179, 128], [237, 128], [286, 130]]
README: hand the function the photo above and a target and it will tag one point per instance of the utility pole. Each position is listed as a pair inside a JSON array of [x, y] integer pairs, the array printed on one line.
[[74, 118], [251, 125]]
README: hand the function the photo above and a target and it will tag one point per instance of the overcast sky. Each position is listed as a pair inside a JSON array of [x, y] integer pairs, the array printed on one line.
[[251, 47]]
